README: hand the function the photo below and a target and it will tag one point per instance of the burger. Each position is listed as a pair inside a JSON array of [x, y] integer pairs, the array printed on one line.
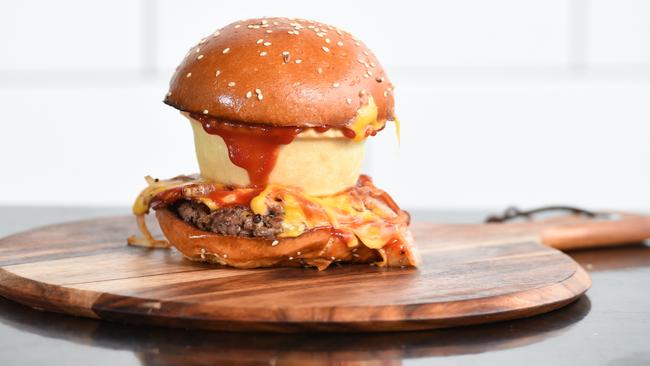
[[280, 109]]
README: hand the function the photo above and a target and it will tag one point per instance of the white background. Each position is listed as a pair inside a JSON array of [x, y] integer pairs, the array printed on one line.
[[501, 101]]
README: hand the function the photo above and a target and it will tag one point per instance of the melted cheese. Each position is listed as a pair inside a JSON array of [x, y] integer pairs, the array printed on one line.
[[398, 130], [359, 214], [366, 118], [155, 187]]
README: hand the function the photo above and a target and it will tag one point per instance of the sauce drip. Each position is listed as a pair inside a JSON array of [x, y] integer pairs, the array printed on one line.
[[252, 147], [241, 196], [322, 129]]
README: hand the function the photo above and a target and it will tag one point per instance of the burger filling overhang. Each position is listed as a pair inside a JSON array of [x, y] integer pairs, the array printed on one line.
[[276, 181]]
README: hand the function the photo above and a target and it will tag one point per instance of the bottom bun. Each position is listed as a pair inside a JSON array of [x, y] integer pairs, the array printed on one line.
[[315, 248]]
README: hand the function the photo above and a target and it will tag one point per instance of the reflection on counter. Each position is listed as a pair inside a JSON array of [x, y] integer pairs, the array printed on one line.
[[160, 346]]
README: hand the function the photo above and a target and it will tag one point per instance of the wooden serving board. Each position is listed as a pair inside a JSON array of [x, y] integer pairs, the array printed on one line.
[[470, 274]]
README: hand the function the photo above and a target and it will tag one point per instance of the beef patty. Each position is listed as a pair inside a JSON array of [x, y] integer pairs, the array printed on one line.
[[232, 221]]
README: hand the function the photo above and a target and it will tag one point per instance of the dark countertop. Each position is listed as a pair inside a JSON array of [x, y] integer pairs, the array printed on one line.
[[609, 326]]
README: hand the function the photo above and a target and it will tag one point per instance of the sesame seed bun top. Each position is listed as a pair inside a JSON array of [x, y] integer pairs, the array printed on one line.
[[283, 72]]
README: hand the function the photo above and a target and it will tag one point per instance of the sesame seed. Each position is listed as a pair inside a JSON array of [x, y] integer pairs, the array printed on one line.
[[226, 50], [298, 253], [269, 31], [257, 91], [263, 53], [216, 34], [339, 43], [333, 258], [361, 61], [260, 41], [320, 70], [237, 26], [369, 72], [385, 93], [188, 75], [355, 255], [320, 34], [267, 44], [203, 40], [348, 100], [290, 258], [366, 75], [336, 85], [325, 49], [276, 23], [366, 53], [327, 40], [225, 256], [264, 21], [232, 83], [217, 73], [379, 79], [372, 64], [286, 57], [357, 44], [199, 57], [260, 96], [298, 61], [274, 243], [169, 94], [249, 94], [338, 31], [205, 111]]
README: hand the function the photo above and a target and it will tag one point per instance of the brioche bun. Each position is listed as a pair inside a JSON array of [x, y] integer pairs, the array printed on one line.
[[282, 72]]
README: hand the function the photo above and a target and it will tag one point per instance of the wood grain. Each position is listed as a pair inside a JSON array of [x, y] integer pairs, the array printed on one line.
[[470, 274]]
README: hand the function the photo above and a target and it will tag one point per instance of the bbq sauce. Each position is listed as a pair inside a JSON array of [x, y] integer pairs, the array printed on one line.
[[252, 147]]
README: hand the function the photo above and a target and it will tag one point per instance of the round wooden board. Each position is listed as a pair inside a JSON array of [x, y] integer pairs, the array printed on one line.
[[470, 274]]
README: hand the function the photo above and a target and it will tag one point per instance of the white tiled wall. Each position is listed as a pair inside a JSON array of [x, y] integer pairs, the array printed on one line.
[[618, 31], [70, 35], [501, 101]]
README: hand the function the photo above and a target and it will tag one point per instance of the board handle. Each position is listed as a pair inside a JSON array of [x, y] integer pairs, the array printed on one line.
[[582, 228], [618, 229]]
